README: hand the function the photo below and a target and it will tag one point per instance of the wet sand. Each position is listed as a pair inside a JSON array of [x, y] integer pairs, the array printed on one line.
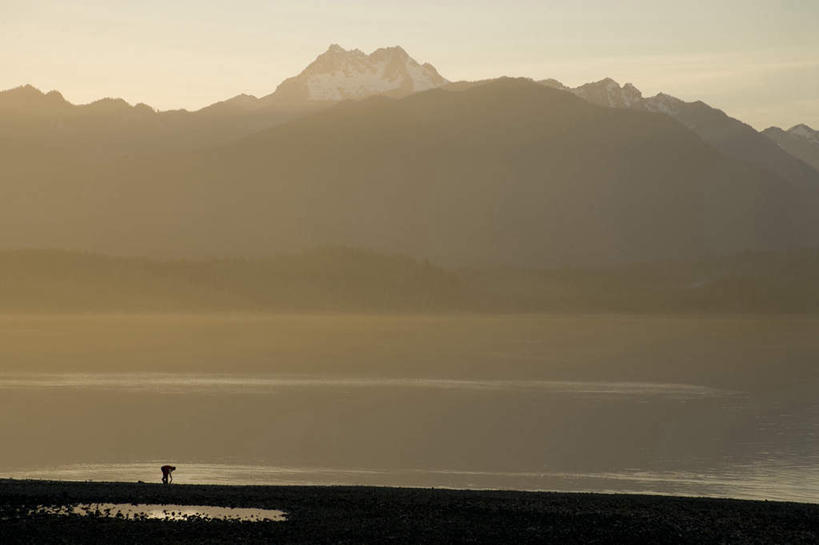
[[401, 515]]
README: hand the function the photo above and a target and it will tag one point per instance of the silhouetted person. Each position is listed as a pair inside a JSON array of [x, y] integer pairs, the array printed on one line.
[[167, 474]]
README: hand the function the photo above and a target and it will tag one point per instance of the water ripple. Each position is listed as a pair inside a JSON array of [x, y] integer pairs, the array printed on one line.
[[215, 383]]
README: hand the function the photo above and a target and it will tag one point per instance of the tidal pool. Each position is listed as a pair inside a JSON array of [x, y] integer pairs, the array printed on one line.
[[165, 511]]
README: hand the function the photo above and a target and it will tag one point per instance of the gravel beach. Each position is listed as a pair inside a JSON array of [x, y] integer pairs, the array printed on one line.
[[400, 515]]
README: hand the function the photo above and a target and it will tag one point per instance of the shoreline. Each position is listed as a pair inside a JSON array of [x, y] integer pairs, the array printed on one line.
[[364, 514]]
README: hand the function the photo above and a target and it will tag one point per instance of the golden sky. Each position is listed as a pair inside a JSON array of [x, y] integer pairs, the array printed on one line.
[[756, 59]]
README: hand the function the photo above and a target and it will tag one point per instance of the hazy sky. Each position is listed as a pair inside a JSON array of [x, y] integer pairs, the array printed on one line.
[[756, 59]]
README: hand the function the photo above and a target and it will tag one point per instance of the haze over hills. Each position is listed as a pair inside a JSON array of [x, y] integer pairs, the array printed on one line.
[[112, 126], [344, 279], [406, 271], [800, 141], [506, 172], [509, 172], [339, 74], [728, 135], [326, 279]]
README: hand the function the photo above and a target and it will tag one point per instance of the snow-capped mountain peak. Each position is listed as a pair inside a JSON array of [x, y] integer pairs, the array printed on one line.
[[608, 92], [339, 74], [799, 145], [663, 103]]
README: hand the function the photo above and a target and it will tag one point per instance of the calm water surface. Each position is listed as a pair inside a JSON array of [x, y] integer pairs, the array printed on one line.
[[648, 437]]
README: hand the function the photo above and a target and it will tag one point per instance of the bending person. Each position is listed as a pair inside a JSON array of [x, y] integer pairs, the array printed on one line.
[[167, 474]]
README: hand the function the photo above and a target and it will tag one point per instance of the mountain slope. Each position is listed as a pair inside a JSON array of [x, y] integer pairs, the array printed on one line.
[[800, 141], [728, 135], [508, 172], [114, 127]]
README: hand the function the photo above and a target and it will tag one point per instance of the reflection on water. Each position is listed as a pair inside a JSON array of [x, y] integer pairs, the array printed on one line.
[[512, 434], [769, 481], [180, 383], [169, 512]]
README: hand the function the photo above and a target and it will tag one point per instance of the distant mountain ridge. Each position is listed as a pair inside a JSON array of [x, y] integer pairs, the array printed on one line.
[[504, 171], [335, 75], [345, 279], [803, 131], [509, 172], [112, 126], [800, 141], [27, 100], [730, 136], [339, 74]]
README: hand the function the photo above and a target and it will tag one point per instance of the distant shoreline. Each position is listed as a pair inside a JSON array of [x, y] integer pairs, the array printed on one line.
[[322, 514], [336, 281]]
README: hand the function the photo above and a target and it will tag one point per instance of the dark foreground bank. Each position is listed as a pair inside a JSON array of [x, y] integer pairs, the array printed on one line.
[[393, 515]]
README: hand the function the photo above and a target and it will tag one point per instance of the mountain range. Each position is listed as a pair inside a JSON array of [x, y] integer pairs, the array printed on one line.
[[378, 151], [113, 127], [728, 135], [800, 141]]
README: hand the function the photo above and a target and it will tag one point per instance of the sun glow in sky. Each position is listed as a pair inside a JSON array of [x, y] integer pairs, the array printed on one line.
[[756, 59]]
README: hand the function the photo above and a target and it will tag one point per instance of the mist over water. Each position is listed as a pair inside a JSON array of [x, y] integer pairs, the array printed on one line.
[[516, 402], [411, 278]]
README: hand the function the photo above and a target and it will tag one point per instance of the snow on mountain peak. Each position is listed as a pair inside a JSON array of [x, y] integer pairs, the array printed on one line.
[[339, 74], [391, 52], [608, 92], [663, 103]]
